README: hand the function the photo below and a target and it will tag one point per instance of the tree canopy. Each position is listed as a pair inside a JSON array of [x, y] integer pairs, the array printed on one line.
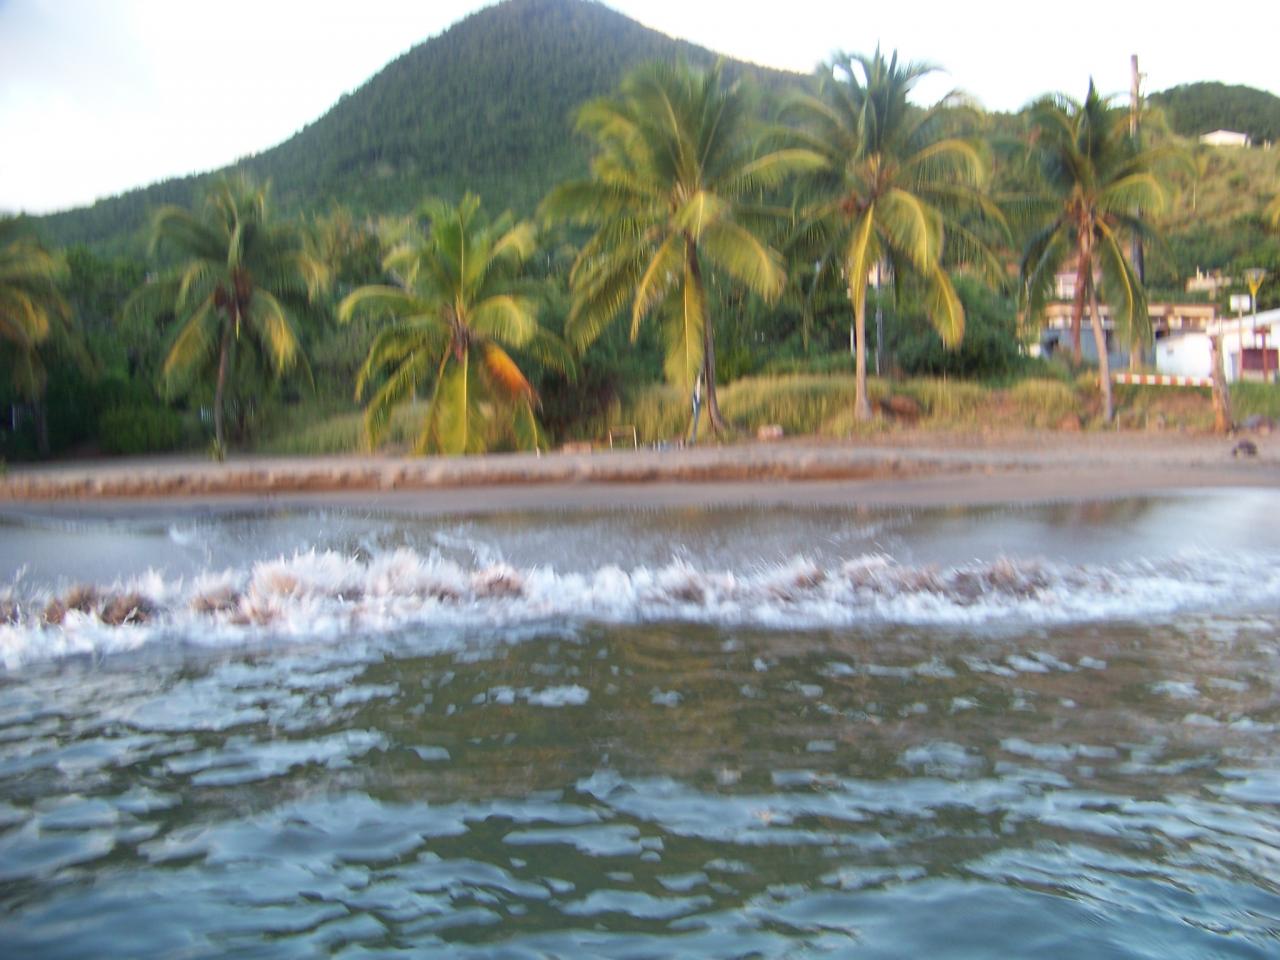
[[456, 308]]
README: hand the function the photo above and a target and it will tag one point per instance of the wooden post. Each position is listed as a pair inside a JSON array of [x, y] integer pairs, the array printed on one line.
[[1221, 396]]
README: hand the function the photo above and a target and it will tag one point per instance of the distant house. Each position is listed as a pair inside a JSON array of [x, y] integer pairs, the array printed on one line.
[[1225, 138], [1209, 283], [1249, 349], [1169, 321]]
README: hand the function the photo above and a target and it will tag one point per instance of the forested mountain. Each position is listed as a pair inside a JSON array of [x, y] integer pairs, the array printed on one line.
[[486, 106], [1196, 108]]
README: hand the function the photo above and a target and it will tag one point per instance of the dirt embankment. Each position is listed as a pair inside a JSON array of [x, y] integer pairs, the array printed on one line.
[[909, 467]]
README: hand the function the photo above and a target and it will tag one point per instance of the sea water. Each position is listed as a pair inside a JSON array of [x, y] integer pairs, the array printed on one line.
[[1045, 731]]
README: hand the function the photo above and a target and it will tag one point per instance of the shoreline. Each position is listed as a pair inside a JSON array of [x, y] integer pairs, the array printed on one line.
[[918, 469]]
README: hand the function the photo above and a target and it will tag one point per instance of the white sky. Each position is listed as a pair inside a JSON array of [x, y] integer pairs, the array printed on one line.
[[98, 96]]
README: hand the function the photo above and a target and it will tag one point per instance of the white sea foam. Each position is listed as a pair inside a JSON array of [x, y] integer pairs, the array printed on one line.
[[327, 594]]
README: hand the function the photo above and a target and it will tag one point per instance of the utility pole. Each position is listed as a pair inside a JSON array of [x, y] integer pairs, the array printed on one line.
[[1135, 135]]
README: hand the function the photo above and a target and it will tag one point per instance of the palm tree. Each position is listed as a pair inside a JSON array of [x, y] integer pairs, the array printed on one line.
[[892, 189], [676, 188], [1098, 187], [31, 306], [239, 283], [456, 307]]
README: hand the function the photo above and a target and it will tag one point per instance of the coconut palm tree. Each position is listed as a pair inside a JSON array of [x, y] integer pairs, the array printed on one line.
[[456, 308], [239, 283], [31, 307], [1098, 189], [675, 189], [898, 190]]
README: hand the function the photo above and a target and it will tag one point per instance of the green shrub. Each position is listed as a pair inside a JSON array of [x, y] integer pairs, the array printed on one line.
[[946, 401], [1043, 403], [824, 363], [799, 404], [136, 429], [1250, 398], [658, 412]]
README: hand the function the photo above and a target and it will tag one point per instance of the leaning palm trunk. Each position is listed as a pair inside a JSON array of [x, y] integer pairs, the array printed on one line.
[[861, 403], [1084, 275], [219, 389], [714, 417], [1221, 396], [1100, 340]]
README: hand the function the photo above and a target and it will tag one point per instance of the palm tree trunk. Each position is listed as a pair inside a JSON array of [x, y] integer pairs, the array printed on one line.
[[1221, 395], [1100, 341], [709, 375], [1084, 275], [224, 361], [714, 417], [861, 404]]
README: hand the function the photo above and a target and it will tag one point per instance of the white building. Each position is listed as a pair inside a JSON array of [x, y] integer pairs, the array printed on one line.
[[1249, 346], [1185, 355], [1225, 138]]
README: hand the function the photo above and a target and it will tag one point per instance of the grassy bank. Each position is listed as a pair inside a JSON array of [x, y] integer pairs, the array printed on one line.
[[822, 405]]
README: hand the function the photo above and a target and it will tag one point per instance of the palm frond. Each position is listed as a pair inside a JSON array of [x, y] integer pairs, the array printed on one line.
[[740, 253], [504, 376], [508, 319], [379, 301], [193, 345], [944, 309], [655, 283]]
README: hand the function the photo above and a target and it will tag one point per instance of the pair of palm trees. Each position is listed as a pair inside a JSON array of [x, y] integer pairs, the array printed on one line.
[[240, 283], [682, 182]]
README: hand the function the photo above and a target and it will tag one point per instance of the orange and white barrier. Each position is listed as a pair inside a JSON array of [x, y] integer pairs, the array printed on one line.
[[1160, 380]]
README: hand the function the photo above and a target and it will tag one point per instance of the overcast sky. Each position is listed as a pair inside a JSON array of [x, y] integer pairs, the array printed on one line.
[[98, 96]]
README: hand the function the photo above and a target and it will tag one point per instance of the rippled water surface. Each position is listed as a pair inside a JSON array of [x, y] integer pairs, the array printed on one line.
[[1006, 732]]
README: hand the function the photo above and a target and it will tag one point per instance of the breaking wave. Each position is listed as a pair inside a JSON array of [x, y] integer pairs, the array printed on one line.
[[326, 594]]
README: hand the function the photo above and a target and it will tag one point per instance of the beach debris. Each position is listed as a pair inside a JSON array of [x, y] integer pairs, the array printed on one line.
[[497, 582], [83, 598], [216, 601], [54, 613], [798, 584], [901, 407], [688, 590], [1245, 448], [127, 608]]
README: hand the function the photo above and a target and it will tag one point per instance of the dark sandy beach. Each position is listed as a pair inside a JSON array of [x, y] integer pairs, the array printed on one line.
[[905, 469]]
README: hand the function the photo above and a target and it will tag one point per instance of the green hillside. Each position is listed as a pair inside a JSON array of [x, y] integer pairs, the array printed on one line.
[[1196, 108], [486, 106]]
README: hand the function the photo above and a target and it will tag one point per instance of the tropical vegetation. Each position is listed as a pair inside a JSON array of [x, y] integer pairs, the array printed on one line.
[[31, 306], [650, 212], [1099, 189], [235, 293], [454, 309], [894, 185], [678, 187]]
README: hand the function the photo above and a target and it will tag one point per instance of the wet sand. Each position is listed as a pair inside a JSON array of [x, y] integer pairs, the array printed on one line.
[[902, 469]]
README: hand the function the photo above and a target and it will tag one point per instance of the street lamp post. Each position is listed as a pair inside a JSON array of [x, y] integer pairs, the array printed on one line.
[[1254, 277]]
